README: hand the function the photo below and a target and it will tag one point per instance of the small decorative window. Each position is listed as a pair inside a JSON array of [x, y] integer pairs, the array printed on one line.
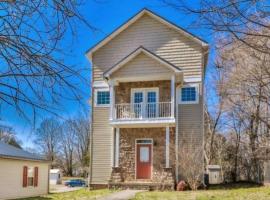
[[189, 94], [102, 97]]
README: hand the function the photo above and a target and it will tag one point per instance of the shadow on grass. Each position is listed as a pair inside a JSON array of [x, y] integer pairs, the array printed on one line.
[[37, 198], [231, 186]]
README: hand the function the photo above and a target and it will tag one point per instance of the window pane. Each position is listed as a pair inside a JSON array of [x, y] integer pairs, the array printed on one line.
[[151, 97], [103, 97], [188, 94], [30, 181], [30, 176], [144, 154], [138, 97]]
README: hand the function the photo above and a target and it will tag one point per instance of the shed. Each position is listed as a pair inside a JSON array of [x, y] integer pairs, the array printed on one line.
[[22, 174], [55, 176], [214, 172]]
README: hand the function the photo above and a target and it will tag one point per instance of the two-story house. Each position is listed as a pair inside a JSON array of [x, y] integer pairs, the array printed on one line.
[[147, 101]]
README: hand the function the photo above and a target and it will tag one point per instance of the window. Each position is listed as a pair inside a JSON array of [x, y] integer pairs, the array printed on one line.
[[30, 176], [189, 94], [102, 97], [144, 154]]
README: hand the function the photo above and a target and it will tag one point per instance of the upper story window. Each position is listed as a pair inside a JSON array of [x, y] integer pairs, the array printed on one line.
[[102, 97], [189, 94]]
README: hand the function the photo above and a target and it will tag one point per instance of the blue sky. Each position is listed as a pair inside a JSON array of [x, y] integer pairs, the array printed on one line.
[[106, 16]]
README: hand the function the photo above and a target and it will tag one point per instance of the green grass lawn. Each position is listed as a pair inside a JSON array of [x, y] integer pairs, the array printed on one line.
[[83, 194], [237, 192]]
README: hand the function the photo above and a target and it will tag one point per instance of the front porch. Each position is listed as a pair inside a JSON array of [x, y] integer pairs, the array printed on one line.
[[143, 158]]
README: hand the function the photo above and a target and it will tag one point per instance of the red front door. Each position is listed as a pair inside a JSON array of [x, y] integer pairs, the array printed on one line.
[[144, 161]]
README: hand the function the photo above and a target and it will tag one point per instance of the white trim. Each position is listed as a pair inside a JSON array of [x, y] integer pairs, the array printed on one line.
[[197, 94], [113, 148], [133, 55], [167, 143], [112, 100], [192, 79], [117, 146], [177, 136], [172, 95], [152, 151], [144, 91], [95, 97], [149, 123], [100, 84], [134, 19]]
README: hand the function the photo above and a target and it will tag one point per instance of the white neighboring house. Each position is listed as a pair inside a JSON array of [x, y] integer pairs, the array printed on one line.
[[22, 174], [55, 176]]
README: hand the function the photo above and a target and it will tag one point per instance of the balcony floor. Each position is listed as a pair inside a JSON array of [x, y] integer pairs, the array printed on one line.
[[142, 123]]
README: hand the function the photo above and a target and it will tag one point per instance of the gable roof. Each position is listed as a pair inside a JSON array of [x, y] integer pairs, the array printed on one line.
[[138, 16], [136, 52], [8, 151]]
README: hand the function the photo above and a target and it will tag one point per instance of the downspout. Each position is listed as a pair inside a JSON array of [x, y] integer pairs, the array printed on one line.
[[203, 107], [177, 134]]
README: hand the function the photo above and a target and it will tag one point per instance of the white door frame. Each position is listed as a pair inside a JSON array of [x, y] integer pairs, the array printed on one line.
[[136, 143]]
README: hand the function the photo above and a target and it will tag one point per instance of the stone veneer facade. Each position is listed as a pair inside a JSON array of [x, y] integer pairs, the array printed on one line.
[[127, 157], [126, 171], [123, 90]]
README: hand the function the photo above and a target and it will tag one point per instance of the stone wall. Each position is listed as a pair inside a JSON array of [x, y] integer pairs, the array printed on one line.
[[123, 90], [128, 138]]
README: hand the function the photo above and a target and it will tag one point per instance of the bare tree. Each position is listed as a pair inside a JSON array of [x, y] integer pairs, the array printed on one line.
[[8, 135], [68, 141], [246, 90], [81, 125], [47, 138], [191, 166], [234, 19], [34, 75]]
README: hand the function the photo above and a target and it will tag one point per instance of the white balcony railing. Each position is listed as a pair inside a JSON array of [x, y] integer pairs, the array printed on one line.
[[130, 111]]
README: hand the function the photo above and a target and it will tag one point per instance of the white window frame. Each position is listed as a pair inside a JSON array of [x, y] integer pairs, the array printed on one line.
[[95, 93], [144, 91], [33, 176], [197, 94]]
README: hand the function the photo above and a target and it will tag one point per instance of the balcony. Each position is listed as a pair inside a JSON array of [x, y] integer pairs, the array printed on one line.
[[144, 114]]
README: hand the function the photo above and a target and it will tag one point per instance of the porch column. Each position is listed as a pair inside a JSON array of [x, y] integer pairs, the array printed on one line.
[[112, 99], [117, 149], [172, 95], [167, 153]]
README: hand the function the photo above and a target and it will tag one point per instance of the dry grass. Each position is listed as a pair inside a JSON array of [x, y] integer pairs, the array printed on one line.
[[236, 192]]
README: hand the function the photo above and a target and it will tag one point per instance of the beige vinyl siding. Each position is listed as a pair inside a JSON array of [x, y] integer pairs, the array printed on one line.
[[143, 66], [156, 37], [11, 179], [102, 146], [190, 125]]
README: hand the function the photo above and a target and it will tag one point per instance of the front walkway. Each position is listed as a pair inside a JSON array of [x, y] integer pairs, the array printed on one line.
[[122, 195]]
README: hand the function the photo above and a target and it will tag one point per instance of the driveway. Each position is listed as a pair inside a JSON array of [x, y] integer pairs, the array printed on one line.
[[62, 188]]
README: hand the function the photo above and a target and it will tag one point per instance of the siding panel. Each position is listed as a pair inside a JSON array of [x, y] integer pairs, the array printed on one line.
[[158, 38], [141, 65], [190, 126], [11, 179], [102, 145]]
